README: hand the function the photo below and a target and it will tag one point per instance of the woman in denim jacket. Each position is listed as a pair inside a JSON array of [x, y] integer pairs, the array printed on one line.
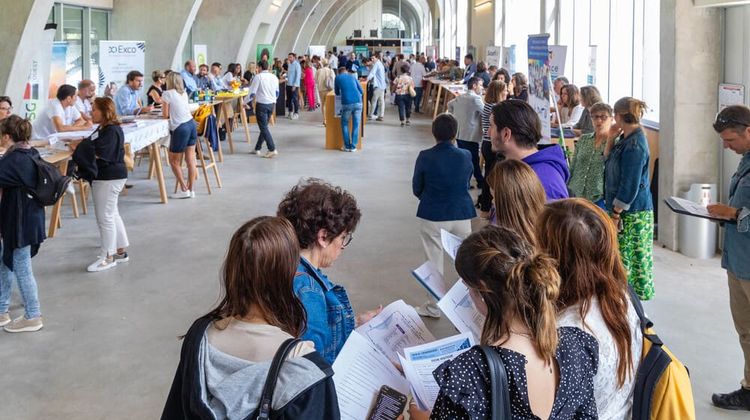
[[324, 218], [628, 197]]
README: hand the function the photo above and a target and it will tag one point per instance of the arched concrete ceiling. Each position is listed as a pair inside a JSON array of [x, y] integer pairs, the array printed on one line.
[[316, 21]]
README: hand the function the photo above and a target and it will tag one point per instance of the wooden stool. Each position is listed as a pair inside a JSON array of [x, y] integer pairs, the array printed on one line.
[[203, 162]]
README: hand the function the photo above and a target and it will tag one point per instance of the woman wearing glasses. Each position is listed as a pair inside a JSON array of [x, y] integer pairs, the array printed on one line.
[[324, 218], [587, 168], [6, 107], [628, 197]]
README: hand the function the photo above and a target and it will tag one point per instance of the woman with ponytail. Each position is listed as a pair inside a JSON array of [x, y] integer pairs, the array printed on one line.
[[21, 225], [627, 195], [550, 370], [594, 296]]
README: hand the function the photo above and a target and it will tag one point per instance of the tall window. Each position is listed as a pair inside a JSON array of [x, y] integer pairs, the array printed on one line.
[[82, 51], [391, 21], [624, 32]]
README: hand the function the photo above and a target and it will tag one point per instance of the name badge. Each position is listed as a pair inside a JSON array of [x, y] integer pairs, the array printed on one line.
[[94, 135]]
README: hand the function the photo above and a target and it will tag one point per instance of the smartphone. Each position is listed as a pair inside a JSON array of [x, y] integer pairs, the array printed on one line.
[[389, 404]]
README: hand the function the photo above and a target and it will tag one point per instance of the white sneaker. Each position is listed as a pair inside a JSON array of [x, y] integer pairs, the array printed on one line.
[[255, 152], [289, 116], [101, 264], [428, 309], [353, 150], [295, 116], [270, 155], [180, 195], [192, 194]]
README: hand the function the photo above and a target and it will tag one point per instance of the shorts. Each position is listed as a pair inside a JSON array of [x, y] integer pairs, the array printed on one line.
[[186, 134]]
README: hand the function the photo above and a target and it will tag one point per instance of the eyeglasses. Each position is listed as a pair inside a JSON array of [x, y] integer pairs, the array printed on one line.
[[600, 117], [722, 120], [346, 240], [6, 108]]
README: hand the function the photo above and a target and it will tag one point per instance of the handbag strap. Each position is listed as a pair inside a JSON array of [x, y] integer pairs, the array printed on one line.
[[500, 396], [273, 375]]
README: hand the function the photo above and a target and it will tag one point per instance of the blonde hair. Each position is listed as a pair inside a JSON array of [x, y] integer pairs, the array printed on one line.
[[174, 81], [519, 197], [630, 109]]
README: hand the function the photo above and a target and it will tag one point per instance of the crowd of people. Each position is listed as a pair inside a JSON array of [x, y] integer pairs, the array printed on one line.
[[561, 317]]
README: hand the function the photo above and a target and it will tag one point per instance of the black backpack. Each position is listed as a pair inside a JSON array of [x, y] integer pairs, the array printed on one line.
[[50, 184]]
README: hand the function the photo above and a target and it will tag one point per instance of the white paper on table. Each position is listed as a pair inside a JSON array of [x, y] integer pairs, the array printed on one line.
[[450, 242], [460, 310], [396, 327], [420, 362], [359, 372], [429, 276]]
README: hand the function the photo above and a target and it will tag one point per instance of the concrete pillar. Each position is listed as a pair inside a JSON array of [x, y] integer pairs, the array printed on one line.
[[165, 29], [23, 24], [690, 71]]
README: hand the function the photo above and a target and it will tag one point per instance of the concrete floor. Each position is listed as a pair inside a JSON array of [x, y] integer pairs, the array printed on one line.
[[109, 348]]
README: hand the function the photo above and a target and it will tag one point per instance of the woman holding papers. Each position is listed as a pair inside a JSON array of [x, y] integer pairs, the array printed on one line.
[[628, 197], [227, 354], [594, 297], [550, 370], [324, 218]]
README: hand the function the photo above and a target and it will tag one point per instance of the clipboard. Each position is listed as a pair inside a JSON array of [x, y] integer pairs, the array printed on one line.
[[690, 208]]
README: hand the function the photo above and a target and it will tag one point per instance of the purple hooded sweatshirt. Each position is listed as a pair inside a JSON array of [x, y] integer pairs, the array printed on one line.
[[552, 169]]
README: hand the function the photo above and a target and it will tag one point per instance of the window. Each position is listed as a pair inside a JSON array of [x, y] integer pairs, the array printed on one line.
[[391, 21], [72, 34], [99, 31], [624, 32], [82, 52]]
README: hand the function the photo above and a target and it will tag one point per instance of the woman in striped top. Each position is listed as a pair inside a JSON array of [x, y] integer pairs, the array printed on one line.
[[497, 91]]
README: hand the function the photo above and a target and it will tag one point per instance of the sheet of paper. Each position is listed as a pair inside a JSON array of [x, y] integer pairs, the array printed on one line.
[[397, 326], [691, 206], [450, 242], [460, 310], [430, 278], [420, 362], [359, 372]]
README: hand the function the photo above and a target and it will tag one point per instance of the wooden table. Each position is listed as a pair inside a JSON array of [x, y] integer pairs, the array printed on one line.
[[334, 134], [226, 111], [60, 159]]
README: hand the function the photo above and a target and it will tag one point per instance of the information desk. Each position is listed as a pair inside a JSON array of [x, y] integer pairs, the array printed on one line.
[[334, 135]]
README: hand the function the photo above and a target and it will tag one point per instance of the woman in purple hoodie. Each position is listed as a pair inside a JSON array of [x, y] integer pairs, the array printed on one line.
[[515, 130]]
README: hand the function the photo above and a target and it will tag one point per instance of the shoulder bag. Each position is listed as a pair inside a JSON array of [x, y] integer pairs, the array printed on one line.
[[266, 397], [500, 391]]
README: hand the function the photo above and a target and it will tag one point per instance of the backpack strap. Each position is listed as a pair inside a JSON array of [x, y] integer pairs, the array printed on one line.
[[266, 396], [636, 301], [500, 396]]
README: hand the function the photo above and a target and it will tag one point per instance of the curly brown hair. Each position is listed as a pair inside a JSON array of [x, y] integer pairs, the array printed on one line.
[[314, 204]]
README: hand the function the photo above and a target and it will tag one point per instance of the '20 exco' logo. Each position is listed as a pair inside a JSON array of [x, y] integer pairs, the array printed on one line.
[[122, 49]]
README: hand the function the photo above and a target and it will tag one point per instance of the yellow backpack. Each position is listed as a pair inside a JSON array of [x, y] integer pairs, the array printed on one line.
[[662, 382]]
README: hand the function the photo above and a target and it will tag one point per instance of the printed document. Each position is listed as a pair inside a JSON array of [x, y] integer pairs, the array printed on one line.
[[359, 371], [420, 361], [460, 310], [397, 326], [450, 242], [428, 276]]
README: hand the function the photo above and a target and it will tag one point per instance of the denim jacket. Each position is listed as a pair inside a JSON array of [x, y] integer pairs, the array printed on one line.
[[330, 318], [626, 183], [736, 255]]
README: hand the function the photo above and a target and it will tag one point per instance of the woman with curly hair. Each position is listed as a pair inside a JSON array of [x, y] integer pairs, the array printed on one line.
[[324, 218]]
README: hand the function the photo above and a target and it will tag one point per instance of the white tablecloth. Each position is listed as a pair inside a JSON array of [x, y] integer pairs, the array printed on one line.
[[146, 132]]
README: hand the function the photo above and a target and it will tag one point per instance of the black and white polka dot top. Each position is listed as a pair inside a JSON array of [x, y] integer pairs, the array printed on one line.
[[465, 387]]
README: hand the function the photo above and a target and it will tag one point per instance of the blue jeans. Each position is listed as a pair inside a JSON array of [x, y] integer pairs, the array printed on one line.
[[350, 112], [404, 106], [418, 98], [263, 113], [26, 283]]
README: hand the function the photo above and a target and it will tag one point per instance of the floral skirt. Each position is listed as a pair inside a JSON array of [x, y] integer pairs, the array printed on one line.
[[637, 251]]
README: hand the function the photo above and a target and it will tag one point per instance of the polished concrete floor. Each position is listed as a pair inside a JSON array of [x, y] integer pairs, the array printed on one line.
[[109, 347]]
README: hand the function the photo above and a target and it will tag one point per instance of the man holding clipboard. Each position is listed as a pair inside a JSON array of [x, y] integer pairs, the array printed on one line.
[[733, 126]]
